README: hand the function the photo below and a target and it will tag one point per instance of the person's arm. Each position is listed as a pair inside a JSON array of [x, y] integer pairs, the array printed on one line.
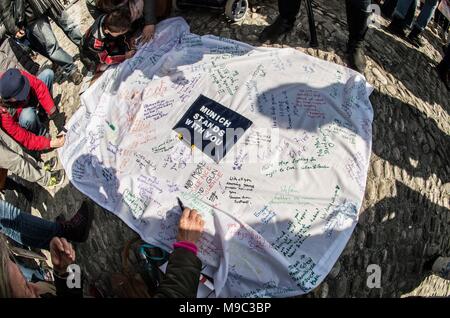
[[150, 12], [7, 17], [42, 93], [149, 21], [183, 270], [21, 135], [62, 255], [182, 275]]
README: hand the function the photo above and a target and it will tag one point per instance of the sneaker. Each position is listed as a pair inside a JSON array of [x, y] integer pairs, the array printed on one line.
[[51, 164], [78, 227], [396, 27], [76, 77], [56, 178], [415, 39], [275, 30]]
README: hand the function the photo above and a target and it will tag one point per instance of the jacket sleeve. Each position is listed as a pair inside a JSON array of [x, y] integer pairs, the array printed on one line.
[[182, 275], [63, 291], [150, 12], [21, 135], [42, 93], [7, 17]]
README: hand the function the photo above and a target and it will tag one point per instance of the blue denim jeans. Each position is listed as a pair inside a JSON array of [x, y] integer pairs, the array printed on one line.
[[426, 14], [29, 118], [25, 228], [43, 41], [405, 6]]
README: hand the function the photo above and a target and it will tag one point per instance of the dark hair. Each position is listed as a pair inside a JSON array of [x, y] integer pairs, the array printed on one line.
[[118, 20]]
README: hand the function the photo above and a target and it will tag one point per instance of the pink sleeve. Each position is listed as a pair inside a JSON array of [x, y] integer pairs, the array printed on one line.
[[186, 245]]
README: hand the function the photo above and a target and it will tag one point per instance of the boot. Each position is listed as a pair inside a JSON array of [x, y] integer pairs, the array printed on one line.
[[356, 57], [10, 184], [78, 227], [397, 27], [414, 37], [444, 73], [275, 30], [357, 21]]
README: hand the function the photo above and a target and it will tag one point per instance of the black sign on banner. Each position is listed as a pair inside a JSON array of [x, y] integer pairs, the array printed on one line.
[[211, 127]]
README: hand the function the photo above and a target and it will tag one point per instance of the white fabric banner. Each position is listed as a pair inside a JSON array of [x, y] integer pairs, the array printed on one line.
[[282, 204]]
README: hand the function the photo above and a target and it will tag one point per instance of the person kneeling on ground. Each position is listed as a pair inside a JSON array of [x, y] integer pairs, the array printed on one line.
[[183, 270], [14, 285], [144, 12], [21, 95], [181, 278], [106, 42], [35, 232]]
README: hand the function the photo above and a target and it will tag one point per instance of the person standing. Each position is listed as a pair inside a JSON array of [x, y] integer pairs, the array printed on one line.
[[400, 21], [358, 12]]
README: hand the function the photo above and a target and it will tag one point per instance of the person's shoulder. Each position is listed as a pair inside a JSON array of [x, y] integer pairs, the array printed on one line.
[[26, 74]]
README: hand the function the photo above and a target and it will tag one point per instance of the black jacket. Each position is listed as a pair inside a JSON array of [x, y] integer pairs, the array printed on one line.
[[182, 276], [7, 16], [18, 13], [101, 48], [180, 281]]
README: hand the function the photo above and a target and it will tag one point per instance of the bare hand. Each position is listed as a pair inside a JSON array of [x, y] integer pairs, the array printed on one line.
[[147, 33], [20, 34], [62, 254], [58, 141], [191, 226], [130, 54]]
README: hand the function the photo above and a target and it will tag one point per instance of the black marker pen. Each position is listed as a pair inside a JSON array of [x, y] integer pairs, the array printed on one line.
[[180, 204]]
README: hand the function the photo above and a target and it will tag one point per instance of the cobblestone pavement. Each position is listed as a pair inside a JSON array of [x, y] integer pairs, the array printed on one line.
[[405, 216]]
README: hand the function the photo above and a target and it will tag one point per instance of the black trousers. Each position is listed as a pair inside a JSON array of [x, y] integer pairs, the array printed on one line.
[[358, 12]]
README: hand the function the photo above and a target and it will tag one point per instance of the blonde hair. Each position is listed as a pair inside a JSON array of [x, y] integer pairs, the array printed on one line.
[[5, 287]]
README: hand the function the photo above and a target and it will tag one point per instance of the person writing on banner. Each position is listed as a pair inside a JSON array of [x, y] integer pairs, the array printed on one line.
[[108, 41], [142, 12], [22, 97], [181, 279]]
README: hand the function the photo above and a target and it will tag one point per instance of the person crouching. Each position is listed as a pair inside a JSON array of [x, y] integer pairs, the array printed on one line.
[[107, 41]]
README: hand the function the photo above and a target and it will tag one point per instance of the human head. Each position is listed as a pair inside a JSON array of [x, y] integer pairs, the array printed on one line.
[[117, 22], [14, 86], [12, 282]]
